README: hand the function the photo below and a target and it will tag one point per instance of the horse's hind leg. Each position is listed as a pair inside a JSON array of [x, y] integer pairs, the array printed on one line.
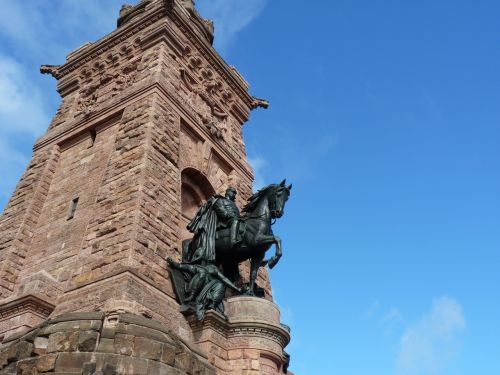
[[254, 270]]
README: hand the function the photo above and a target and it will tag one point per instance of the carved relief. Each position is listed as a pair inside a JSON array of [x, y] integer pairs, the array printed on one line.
[[207, 94], [111, 74]]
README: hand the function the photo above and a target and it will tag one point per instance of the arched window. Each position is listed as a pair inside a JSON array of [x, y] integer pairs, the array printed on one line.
[[195, 190]]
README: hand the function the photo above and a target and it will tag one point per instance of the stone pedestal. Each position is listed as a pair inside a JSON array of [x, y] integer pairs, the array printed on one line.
[[250, 341]]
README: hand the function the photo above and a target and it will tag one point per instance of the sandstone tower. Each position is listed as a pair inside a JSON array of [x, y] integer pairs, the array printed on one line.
[[149, 127]]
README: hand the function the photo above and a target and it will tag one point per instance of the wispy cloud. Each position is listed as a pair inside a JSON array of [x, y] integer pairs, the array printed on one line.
[[372, 309], [230, 17], [389, 320], [21, 102], [432, 343], [258, 164]]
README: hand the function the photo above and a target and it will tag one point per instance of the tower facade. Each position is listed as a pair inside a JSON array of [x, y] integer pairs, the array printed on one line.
[[149, 127]]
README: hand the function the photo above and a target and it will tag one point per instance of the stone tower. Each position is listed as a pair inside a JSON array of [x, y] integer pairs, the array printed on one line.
[[150, 126]]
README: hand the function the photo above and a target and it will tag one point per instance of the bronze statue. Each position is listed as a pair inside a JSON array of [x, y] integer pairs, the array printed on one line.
[[200, 287], [223, 238]]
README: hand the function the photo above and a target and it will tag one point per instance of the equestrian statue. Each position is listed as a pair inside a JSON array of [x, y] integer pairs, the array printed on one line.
[[222, 239]]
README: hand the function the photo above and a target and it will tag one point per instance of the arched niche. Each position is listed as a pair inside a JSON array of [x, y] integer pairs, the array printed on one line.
[[195, 190]]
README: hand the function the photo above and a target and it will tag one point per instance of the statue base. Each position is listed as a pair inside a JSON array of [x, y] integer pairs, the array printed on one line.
[[250, 339]]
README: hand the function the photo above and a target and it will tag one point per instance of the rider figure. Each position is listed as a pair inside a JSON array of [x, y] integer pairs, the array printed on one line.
[[228, 214]]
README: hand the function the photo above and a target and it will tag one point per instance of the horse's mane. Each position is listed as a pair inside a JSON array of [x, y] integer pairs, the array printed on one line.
[[254, 199]]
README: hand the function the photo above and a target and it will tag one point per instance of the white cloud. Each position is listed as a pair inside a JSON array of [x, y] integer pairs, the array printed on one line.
[[230, 17], [258, 164], [21, 102], [432, 343]]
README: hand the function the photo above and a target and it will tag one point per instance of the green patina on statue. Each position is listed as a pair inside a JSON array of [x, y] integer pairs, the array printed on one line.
[[222, 240]]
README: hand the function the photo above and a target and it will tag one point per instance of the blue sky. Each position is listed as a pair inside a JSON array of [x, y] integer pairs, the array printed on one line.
[[385, 116]]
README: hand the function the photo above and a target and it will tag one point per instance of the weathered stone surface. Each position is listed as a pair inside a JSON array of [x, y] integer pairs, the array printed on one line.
[[63, 342], [24, 350], [71, 362], [124, 344], [168, 353], [89, 368], [87, 341], [146, 348], [46, 363], [87, 352]]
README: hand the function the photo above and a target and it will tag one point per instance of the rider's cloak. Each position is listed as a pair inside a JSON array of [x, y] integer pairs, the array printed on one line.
[[204, 227]]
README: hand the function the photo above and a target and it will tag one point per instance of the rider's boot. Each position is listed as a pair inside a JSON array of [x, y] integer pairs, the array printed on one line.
[[233, 242]]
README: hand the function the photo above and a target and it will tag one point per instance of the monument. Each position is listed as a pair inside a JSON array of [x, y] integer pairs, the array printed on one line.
[[123, 249]]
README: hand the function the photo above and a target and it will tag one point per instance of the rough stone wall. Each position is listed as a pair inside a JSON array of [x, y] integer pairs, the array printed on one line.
[[159, 212], [92, 343], [57, 241], [107, 242], [20, 217]]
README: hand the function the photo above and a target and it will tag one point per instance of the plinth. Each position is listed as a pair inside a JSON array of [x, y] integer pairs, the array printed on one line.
[[249, 340]]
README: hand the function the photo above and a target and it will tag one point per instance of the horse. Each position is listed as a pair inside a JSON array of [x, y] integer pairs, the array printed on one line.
[[255, 231], [255, 234]]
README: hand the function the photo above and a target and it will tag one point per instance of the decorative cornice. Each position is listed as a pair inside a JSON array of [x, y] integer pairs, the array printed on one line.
[[233, 328], [25, 304]]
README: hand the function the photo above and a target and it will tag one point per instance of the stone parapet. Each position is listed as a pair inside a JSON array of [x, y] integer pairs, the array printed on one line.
[[92, 343]]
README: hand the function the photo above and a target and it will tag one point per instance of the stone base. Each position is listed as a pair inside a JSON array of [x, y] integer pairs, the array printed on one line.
[[95, 344], [250, 341]]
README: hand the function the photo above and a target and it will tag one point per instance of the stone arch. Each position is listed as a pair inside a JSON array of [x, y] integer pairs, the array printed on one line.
[[196, 189]]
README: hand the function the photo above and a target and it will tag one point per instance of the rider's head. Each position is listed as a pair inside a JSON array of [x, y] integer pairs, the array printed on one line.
[[231, 193]]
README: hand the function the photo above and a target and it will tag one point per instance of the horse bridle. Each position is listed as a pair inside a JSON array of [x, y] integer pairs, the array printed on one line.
[[272, 208]]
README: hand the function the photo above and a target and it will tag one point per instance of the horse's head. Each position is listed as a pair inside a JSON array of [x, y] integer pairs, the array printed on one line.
[[275, 195], [279, 196]]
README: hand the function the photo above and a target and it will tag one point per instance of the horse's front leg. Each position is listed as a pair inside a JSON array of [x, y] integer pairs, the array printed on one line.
[[275, 259]]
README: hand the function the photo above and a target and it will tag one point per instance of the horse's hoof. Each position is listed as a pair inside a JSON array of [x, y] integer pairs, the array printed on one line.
[[272, 263]]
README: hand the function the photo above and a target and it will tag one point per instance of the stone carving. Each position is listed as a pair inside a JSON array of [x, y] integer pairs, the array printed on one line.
[[53, 70], [95, 79], [222, 238], [203, 83]]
